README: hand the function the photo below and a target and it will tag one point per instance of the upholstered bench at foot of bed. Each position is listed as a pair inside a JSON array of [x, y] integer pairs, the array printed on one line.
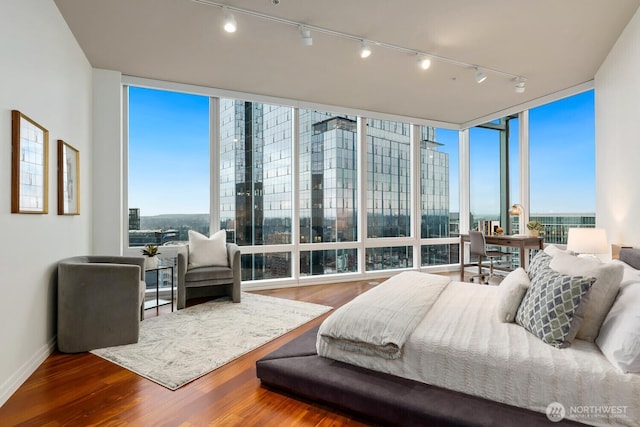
[[296, 368]]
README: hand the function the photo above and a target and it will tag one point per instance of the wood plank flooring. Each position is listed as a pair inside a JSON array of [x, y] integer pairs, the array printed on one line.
[[85, 390]]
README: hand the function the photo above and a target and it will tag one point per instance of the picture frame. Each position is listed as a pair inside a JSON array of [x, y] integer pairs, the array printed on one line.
[[68, 179], [29, 165]]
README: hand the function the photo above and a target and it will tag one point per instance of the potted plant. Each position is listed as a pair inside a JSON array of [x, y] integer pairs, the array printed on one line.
[[534, 228], [151, 252]]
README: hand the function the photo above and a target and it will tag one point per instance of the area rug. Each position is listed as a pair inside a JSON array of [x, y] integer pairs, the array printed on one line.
[[175, 349]]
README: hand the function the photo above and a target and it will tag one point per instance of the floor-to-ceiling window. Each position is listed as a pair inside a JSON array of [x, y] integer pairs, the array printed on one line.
[[168, 176], [562, 165], [439, 195], [493, 172], [294, 204], [388, 192], [328, 191], [256, 183]]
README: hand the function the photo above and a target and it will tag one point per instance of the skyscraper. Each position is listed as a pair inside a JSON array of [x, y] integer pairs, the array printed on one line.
[[256, 185]]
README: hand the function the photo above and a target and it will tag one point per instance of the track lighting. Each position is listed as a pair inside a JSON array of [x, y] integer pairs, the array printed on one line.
[[305, 35], [365, 50], [423, 59], [230, 24], [424, 62], [480, 76]]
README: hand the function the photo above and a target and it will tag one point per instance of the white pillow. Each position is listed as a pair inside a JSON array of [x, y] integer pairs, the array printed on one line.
[[552, 250], [510, 294], [206, 252], [619, 338], [602, 293]]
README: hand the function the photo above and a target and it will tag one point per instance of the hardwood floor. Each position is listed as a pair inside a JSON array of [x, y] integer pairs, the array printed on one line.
[[83, 389]]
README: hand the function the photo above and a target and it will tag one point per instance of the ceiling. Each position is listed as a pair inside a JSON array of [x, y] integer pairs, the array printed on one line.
[[554, 44]]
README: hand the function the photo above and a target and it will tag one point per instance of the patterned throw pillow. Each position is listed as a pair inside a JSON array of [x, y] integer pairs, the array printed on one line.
[[539, 262], [551, 307]]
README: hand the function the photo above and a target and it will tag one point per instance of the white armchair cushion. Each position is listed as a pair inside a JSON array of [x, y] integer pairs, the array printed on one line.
[[208, 251]]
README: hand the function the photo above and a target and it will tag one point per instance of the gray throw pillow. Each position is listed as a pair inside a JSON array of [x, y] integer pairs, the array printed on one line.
[[540, 261], [551, 308]]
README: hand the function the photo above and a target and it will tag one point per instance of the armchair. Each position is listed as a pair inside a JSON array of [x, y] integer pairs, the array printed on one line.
[[100, 302], [210, 280]]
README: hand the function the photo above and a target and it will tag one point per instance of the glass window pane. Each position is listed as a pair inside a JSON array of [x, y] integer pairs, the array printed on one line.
[[484, 155], [562, 158], [440, 254], [265, 266], [328, 262], [328, 177], [389, 179], [255, 172], [168, 166], [389, 258], [439, 198], [494, 171]]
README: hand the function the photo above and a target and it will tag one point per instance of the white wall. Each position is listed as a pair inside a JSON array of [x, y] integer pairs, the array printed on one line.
[[108, 210], [617, 101], [45, 75]]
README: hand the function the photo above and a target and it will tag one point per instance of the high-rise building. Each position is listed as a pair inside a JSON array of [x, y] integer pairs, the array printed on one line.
[[256, 182], [134, 218]]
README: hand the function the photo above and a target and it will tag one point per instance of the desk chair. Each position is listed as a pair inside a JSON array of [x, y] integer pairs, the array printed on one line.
[[478, 247]]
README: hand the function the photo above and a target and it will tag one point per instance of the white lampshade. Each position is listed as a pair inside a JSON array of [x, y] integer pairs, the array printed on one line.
[[588, 241]]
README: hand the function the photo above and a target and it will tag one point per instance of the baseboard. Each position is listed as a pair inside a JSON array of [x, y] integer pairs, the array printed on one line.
[[29, 367]]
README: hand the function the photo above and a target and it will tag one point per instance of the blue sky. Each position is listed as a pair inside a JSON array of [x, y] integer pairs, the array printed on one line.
[[169, 156], [168, 152]]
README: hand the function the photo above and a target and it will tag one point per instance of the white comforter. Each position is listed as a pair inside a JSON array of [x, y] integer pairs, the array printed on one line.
[[460, 345], [380, 321]]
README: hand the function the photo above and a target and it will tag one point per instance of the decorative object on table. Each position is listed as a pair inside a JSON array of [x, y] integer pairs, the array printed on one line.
[[499, 231], [534, 228], [518, 210], [151, 253], [487, 227], [29, 165], [68, 179], [587, 241], [177, 348]]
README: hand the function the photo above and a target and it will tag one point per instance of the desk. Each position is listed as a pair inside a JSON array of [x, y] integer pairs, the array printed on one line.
[[520, 242]]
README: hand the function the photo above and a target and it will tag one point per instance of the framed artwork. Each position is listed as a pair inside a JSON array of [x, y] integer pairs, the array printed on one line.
[[29, 165], [68, 179]]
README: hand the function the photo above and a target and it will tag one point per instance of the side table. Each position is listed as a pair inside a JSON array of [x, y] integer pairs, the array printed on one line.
[[157, 270]]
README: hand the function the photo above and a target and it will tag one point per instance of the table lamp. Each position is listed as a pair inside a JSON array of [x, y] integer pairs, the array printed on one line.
[[588, 241], [517, 210]]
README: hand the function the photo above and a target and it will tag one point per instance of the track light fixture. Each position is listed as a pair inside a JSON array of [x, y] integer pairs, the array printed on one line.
[[365, 50], [423, 58], [305, 35], [230, 24], [520, 84], [480, 75], [424, 62]]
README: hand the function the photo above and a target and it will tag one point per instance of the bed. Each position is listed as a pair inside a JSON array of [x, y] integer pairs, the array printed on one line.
[[454, 359]]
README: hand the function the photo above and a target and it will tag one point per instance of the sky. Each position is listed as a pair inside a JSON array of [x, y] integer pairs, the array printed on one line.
[[168, 152], [169, 156]]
